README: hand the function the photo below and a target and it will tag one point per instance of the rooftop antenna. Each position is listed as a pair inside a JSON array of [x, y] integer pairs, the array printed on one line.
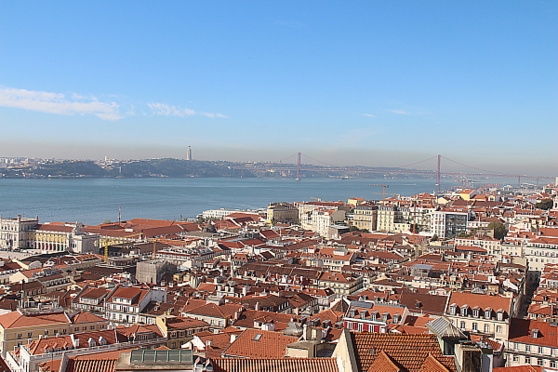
[[119, 213]]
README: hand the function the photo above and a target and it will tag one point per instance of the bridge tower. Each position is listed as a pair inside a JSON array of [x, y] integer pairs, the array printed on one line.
[[298, 163], [438, 171]]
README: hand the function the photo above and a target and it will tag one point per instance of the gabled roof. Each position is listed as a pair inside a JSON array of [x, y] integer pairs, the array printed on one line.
[[409, 352], [423, 302], [84, 317], [216, 311], [275, 364]]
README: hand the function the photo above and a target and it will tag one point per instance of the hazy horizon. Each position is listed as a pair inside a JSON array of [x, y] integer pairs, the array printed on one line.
[[349, 157]]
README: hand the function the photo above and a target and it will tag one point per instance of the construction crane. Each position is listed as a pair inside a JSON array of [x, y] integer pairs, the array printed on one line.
[[107, 243], [384, 187]]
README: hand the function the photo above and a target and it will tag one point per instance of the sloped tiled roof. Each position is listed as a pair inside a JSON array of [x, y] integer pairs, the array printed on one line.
[[431, 364], [384, 363], [15, 319], [523, 368], [275, 365], [84, 317], [97, 362], [215, 311], [256, 343], [410, 352]]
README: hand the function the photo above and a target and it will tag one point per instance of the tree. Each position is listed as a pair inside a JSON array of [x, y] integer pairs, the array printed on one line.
[[499, 229], [545, 204], [435, 238]]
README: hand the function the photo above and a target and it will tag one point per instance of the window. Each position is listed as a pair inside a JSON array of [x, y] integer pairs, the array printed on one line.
[[462, 325], [541, 350], [92, 327], [476, 313], [19, 335], [453, 309], [84, 328], [29, 334], [516, 358], [464, 311], [528, 348], [527, 360], [552, 364], [76, 329], [498, 329], [540, 362], [487, 328]]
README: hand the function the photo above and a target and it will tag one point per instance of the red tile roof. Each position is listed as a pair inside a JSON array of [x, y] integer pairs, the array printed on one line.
[[15, 319], [275, 365], [521, 330], [256, 343], [483, 301], [410, 352]]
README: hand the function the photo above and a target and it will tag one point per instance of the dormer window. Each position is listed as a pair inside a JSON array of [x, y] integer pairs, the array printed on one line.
[[464, 310], [488, 313], [500, 315], [385, 316], [476, 312], [453, 309]]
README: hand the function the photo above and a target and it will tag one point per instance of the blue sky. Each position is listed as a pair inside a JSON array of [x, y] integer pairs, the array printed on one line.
[[346, 82]]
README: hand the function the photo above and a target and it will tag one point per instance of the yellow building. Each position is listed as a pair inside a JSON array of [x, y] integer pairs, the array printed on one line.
[[282, 212], [356, 201], [365, 216], [19, 327]]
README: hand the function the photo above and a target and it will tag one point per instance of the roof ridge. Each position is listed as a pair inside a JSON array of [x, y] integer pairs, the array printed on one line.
[[384, 358]]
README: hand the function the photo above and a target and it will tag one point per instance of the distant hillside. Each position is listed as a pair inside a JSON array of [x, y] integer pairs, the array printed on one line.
[[141, 168], [176, 168]]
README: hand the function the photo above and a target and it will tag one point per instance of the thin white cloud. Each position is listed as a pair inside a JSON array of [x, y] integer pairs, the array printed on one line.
[[164, 109], [400, 112], [405, 112], [370, 115], [58, 103]]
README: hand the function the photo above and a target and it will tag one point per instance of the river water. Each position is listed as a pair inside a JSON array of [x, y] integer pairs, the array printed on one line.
[[93, 201]]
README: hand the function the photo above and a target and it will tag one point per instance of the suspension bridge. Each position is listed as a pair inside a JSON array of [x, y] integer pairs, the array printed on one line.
[[296, 165]]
